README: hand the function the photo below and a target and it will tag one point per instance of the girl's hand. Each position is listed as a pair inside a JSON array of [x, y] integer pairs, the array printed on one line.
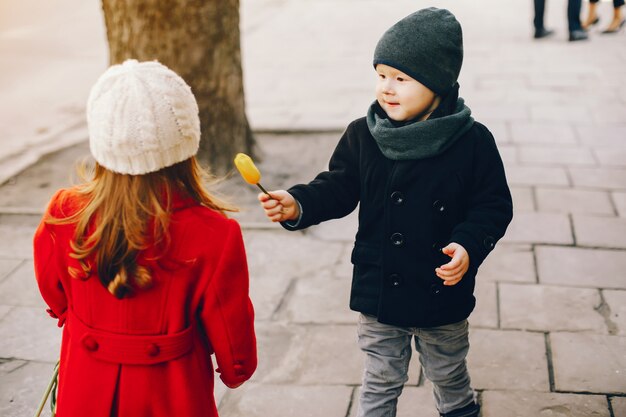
[[452, 272], [281, 207]]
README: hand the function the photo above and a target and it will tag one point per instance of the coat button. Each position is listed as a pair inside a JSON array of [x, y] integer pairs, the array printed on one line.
[[397, 239], [435, 289], [439, 206], [239, 370], [395, 280], [397, 197], [90, 344], [489, 242], [153, 349]]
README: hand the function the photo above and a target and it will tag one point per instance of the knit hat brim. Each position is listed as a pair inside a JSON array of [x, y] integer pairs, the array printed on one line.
[[427, 46]]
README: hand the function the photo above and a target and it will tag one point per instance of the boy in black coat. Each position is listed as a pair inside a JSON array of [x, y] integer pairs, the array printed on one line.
[[433, 203]]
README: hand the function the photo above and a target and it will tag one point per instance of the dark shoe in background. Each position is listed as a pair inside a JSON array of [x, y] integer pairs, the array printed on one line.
[[587, 26], [543, 33], [617, 29], [578, 35]]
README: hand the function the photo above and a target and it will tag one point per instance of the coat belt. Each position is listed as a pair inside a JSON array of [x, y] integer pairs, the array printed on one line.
[[129, 349]]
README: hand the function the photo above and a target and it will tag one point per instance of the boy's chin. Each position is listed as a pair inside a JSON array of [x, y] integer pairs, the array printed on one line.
[[397, 118]]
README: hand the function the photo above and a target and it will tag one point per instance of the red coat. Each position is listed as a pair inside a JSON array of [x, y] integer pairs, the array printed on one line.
[[149, 355]]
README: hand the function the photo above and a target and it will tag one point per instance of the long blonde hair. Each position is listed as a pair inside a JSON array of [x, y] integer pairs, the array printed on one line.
[[125, 214]]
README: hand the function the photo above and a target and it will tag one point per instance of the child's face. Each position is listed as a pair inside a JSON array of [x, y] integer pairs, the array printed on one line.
[[402, 97]]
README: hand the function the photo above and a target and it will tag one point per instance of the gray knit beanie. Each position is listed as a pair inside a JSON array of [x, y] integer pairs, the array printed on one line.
[[426, 45]]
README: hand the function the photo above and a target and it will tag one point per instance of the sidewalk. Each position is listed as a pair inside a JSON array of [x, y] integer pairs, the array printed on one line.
[[549, 333]]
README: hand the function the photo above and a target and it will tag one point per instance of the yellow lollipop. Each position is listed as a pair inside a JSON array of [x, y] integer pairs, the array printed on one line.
[[249, 171]]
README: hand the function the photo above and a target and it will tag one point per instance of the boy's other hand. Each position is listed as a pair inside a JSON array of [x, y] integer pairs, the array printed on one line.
[[281, 207], [452, 272]]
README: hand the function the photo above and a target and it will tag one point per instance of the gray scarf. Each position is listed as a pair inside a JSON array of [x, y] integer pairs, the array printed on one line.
[[418, 139]]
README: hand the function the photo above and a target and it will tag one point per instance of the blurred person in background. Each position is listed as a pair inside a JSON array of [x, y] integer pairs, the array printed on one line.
[[616, 24], [576, 32]]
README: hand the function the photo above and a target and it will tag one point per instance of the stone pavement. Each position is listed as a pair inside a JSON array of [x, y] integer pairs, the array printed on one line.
[[549, 332]]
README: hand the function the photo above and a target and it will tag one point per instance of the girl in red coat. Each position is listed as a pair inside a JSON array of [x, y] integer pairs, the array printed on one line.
[[140, 265]]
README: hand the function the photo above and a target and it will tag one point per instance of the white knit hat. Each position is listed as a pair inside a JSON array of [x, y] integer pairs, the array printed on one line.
[[142, 117]]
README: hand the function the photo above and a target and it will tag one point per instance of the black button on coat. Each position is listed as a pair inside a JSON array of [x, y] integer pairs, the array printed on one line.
[[459, 196]]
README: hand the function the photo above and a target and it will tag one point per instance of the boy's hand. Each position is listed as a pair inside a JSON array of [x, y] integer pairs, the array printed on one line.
[[452, 272], [282, 207]]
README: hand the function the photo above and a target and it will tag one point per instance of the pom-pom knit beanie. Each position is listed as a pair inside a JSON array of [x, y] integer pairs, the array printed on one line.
[[141, 117], [426, 45]]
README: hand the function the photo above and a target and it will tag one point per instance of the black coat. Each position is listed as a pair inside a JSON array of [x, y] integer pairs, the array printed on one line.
[[409, 210]]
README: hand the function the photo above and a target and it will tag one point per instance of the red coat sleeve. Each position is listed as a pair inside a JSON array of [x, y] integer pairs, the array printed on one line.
[[46, 269], [227, 312]]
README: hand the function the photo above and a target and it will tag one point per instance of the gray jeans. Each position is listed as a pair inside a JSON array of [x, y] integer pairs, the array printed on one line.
[[388, 352]]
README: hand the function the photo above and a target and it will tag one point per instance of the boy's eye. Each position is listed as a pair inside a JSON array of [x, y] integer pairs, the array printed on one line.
[[381, 76], [400, 79]]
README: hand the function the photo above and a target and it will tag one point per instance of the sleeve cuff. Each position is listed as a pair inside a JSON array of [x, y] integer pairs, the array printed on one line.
[[293, 224]]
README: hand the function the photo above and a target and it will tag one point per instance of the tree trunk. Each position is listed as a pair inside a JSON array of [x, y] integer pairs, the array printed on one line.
[[199, 40]]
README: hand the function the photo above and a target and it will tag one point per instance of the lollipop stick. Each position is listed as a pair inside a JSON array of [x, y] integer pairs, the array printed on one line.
[[265, 191]]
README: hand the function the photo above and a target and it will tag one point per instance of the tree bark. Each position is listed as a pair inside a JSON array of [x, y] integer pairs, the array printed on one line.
[[199, 40]]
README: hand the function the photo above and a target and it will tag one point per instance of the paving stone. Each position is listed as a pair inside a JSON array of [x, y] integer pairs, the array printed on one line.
[[513, 81], [336, 358], [602, 136], [616, 312], [528, 227], [509, 263], [266, 293], [344, 268], [267, 250], [559, 81], [523, 199], [619, 406], [549, 308], [568, 200], [531, 404], [309, 302], [16, 242], [562, 155], [29, 334], [486, 312], [7, 266], [4, 310], [503, 112], [611, 157], [274, 342], [600, 231], [500, 131], [542, 133], [20, 288], [508, 153], [603, 178], [338, 230], [589, 363], [531, 176], [575, 114], [512, 359], [413, 402], [609, 115], [22, 389], [620, 203], [254, 400], [10, 365], [579, 267]]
